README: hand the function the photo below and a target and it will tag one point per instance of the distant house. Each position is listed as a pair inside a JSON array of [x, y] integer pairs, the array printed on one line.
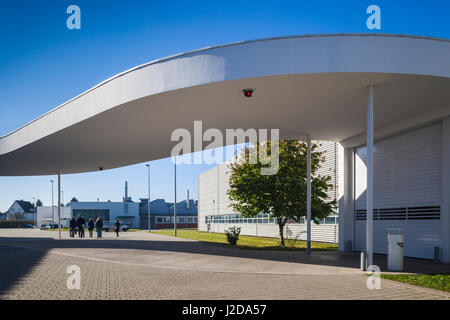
[[20, 210]]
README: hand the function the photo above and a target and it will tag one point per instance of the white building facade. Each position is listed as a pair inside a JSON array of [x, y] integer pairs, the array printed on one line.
[[411, 190], [126, 212], [216, 215], [21, 210], [49, 215]]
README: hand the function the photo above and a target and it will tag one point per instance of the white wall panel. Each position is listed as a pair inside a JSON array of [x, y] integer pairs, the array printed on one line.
[[214, 184], [407, 174]]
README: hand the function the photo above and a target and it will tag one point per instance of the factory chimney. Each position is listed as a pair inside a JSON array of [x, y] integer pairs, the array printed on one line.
[[187, 199], [125, 199]]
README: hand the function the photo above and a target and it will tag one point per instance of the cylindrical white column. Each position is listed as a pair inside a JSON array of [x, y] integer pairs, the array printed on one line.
[[369, 193], [148, 203], [53, 207]]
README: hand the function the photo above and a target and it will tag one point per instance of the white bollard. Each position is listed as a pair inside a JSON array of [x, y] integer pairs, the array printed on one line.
[[395, 250]]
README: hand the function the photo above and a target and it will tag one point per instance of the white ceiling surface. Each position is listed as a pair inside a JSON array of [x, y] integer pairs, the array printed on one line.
[[312, 84]]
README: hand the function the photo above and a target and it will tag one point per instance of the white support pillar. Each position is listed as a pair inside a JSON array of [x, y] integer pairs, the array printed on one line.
[[445, 192], [308, 194], [53, 207], [148, 202], [59, 205], [369, 212], [346, 202]]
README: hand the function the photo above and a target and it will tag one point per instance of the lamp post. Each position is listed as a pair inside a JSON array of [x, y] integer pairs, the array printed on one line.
[[175, 203], [53, 208], [213, 216], [308, 194], [34, 209], [59, 205], [148, 203]]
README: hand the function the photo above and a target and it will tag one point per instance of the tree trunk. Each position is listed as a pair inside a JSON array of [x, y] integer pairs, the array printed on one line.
[[281, 227]]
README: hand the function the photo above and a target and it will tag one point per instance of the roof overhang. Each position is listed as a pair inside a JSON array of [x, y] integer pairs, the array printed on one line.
[[305, 84]]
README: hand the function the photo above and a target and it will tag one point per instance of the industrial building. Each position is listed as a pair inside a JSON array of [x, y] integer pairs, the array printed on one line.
[[133, 214], [49, 215], [384, 98], [162, 213], [215, 214]]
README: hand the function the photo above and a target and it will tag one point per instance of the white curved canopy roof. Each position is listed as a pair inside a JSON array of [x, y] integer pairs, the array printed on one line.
[[304, 84]]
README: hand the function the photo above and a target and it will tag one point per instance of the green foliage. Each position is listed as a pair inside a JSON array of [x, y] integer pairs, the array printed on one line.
[[283, 194], [434, 281], [245, 242], [39, 203], [14, 223], [291, 238], [232, 234]]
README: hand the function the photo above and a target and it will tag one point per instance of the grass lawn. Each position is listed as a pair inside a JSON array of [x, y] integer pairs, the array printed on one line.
[[247, 242], [433, 281]]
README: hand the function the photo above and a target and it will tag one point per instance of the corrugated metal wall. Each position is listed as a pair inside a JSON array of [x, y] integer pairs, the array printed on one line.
[[407, 189]]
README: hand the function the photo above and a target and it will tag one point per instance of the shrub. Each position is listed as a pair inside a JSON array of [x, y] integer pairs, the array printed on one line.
[[291, 238], [14, 223], [233, 235]]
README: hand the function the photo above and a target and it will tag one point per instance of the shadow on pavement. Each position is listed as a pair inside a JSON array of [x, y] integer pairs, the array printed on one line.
[[15, 263], [323, 258]]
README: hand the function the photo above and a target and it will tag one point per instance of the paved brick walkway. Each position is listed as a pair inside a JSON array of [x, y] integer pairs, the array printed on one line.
[[41, 274]]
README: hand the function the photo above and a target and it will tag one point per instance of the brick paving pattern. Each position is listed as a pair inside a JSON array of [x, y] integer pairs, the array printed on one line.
[[33, 266], [108, 280]]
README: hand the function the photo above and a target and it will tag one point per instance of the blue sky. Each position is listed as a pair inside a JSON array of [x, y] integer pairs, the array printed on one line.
[[43, 64]]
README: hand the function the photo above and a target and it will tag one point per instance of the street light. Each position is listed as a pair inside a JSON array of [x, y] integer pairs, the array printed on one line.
[[53, 208], [148, 203], [213, 217], [175, 203], [34, 208]]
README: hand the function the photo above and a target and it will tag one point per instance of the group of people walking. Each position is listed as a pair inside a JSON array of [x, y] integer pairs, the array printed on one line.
[[80, 224]]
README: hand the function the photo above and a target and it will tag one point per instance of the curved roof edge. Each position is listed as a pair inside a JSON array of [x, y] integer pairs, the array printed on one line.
[[167, 58]]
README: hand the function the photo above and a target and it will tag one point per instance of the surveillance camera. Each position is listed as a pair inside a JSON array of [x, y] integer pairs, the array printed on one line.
[[100, 168], [248, 92]]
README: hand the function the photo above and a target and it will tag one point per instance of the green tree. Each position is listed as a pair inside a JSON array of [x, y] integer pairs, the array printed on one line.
[[74, 200], [282, 195], [39, 203]]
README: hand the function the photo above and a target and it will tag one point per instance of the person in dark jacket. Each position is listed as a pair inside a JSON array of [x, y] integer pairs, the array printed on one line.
[[117, 227], [72, 225], [91, 227], [99, 226], [81, 223]]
